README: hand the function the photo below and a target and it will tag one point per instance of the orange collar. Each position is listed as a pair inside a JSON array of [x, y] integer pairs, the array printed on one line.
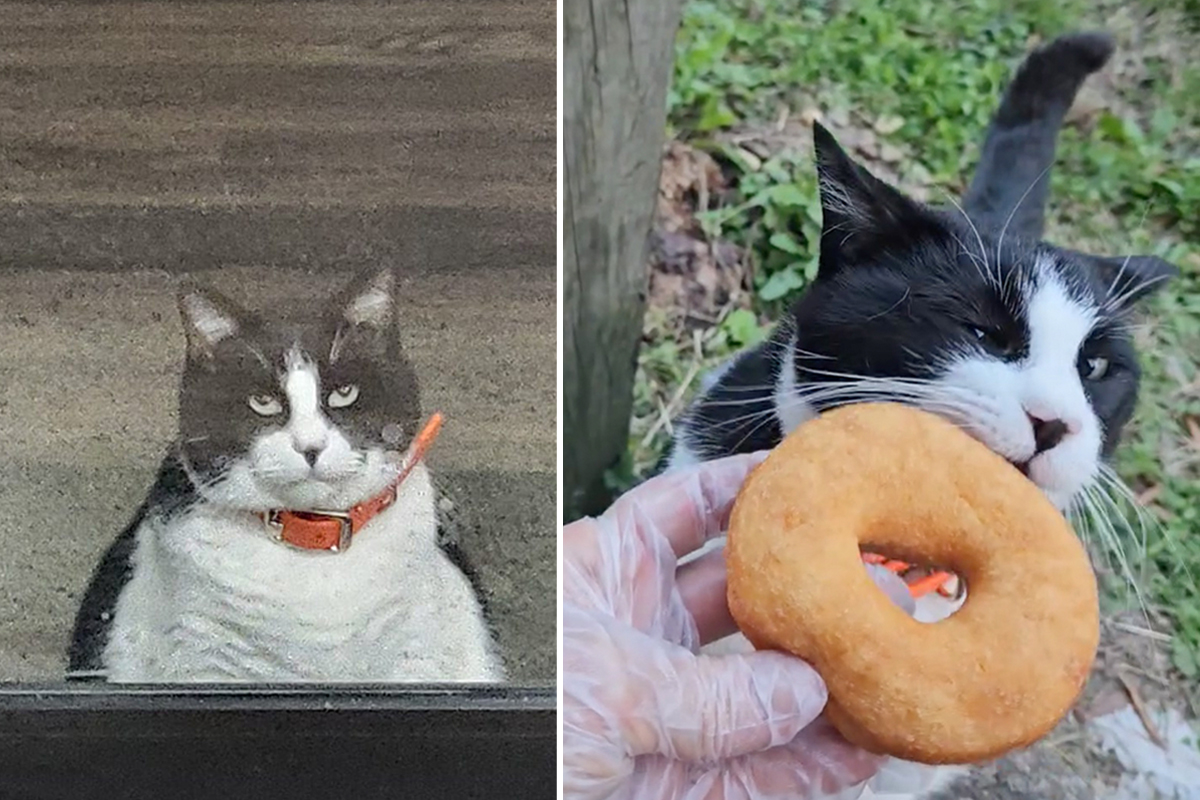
[[331, 531]]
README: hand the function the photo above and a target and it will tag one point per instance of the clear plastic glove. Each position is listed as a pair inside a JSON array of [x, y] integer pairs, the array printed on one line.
[[647, 718]]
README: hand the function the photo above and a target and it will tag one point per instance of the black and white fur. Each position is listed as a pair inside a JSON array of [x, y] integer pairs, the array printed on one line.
[[964, 312], [303, 412]]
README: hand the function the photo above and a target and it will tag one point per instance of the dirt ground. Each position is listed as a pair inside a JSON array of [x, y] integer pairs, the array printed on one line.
[[273, 147]]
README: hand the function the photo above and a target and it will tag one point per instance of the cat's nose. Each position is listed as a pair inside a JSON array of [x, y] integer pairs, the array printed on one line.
[[311, 450], [1047, 433]]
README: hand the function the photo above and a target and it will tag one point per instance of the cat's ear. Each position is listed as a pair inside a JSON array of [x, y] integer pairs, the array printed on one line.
[[364, 312], [370, 300], [1129, 279], [858, 210], [209, 318]]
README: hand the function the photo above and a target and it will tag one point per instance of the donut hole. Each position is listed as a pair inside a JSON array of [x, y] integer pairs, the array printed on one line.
[[938, 593]]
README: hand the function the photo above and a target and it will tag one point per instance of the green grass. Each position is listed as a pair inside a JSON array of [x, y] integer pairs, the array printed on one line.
[[1130, 184]]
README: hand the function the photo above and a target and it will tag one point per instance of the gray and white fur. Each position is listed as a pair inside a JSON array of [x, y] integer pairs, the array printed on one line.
[[307, 410]]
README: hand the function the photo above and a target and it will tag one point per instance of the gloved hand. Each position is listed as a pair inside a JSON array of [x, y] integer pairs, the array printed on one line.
[[647, 718]]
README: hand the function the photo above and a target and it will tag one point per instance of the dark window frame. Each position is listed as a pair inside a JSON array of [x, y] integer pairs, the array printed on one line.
[[296, 741]]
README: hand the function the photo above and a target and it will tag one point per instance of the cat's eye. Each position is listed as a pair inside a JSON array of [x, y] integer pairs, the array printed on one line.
[[994, 340], [343, 396], [1095, 368], [264, 405]]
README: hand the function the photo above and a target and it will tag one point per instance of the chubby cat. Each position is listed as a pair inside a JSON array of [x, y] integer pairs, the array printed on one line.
[[282, 540]]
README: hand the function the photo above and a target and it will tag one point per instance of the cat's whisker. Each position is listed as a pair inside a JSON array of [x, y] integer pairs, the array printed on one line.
[[1081, 520], [738, 401], [736, 421], [979, 265], [847, 395], [753, 387], [850, 378], [892, 307], [1110, 541], [1085, 526], [809, 354], [865, 378], [886, 389], [926, 398], [801, 353], [1116, 323], [1116, 488], [1016, 207], [1147, 523], [757, 427], [978, 238], [1116, 280], [1119, 524], [879, 394], [1132, 290], [1124, 263]]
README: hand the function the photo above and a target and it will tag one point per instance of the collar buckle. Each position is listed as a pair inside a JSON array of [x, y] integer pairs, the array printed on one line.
[[277, 524]]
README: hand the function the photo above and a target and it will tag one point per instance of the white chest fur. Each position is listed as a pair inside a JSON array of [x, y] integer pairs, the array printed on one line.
[[213, 598]]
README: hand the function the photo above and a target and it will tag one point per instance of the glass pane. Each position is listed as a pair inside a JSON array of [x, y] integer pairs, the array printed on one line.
[[289, 158]]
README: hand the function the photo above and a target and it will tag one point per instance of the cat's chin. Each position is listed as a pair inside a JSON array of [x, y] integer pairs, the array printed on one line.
[[253, 488], [243, 490], [330, 494], [1058, 496]]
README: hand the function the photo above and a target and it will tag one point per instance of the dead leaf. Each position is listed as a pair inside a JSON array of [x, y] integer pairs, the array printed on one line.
[[891, 153], [888, 124], [688, 182], [1151, 494], [1088, 105], [917, 173], [1108, 700], [1193, 426], [753, 161], [691, 277], [866, 143], [781, 118], [1135, 699]]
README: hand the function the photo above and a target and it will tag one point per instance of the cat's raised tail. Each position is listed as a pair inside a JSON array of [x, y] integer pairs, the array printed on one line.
[[1012, 180]]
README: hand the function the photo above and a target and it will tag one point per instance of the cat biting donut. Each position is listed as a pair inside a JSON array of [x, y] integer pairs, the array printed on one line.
[[996, 675]]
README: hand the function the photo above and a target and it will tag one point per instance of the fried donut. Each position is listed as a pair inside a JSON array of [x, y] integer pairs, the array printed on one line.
[[996, 675]]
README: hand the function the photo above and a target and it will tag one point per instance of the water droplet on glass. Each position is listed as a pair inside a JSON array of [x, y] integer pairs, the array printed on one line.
[[393, 433]]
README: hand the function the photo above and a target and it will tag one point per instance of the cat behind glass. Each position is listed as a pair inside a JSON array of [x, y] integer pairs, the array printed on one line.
[[302, 411]]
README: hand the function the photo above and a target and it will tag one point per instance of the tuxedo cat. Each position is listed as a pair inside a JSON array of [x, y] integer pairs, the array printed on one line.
[[964, 312], [282, 416]]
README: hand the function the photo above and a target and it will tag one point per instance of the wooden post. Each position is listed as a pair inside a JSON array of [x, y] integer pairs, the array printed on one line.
[[617, 59]]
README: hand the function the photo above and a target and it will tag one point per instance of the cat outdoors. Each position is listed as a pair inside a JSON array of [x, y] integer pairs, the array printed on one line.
[[963, 312], [222, 576]]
